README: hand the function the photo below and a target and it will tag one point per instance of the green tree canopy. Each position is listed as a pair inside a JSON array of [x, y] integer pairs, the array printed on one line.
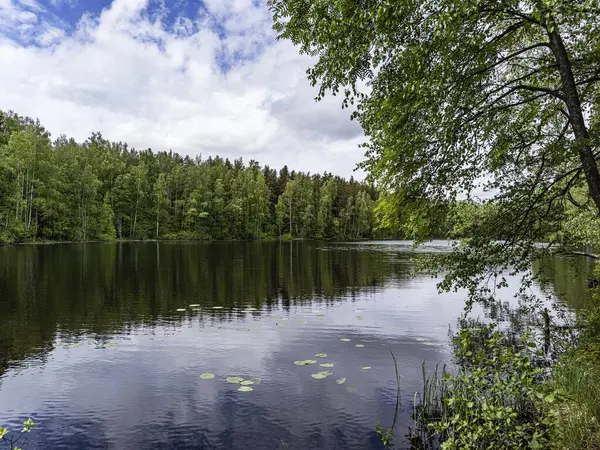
[[462, 98]]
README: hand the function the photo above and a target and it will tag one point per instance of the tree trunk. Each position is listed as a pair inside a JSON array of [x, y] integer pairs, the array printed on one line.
[[157, 219], [573, 102]]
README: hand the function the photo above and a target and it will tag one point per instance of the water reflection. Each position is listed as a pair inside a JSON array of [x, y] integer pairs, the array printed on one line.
[[567, 278], [93, 347]]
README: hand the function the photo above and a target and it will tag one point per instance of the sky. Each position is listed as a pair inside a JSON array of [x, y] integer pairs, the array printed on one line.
[[199, 78]]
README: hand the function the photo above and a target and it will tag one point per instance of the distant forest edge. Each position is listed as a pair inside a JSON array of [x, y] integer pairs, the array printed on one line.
[[63, 190]]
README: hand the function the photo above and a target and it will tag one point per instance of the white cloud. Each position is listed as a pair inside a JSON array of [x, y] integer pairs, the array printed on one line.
[[216, 83]]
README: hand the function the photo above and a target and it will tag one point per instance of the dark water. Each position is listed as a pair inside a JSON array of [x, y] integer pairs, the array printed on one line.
[[93, 348]]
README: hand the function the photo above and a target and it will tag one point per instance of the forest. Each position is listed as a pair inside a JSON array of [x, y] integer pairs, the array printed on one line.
[[62, 190]]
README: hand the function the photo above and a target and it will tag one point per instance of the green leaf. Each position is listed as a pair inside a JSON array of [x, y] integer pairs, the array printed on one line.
[[234, 380], [207, 376], [28, 425]]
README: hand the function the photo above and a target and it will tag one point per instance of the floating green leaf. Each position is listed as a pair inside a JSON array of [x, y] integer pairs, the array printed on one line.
[[217, 307], [250, 309], [326, 365], [321, 375], [319, 315], [234, 380], [109, 345], [321, 355], [194, 305], [360, 318], [207, 376], [279, 324], [247, 382], [305, 362], [359, 346], [181, 310], [345, 340], [245, 389], [365, 367], [340, 380]]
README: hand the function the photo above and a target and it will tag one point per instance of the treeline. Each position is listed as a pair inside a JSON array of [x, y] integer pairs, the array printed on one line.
[[63, 190]]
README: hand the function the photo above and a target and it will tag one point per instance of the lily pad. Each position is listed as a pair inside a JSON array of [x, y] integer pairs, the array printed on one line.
[[340, 380], [109, 345], [250, 309], [360, 318], [217, 307], [279, 324], [194, 305], [359, 346], [245, 389], [420, 339], [181, 310], [305, 362], [234, 380], [321, 355], [247, 382], [365, 367], [345, 340], [321, 375], [319, 315], [326, 365], [352, 390], [207, 376]]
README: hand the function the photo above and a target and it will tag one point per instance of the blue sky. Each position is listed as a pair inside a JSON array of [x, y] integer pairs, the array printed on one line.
[[195, 77]]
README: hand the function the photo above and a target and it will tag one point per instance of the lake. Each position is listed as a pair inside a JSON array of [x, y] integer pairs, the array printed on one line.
[[99, 343]]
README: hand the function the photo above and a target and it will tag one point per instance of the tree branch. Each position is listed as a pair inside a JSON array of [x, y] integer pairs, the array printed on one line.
[[508, 58]]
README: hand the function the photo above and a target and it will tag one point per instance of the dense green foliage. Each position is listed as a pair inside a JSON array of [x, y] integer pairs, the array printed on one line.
[[497, 398], [101, 190], [460, 99]]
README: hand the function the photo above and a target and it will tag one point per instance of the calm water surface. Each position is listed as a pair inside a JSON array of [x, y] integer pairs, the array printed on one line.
[[93, 348]]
